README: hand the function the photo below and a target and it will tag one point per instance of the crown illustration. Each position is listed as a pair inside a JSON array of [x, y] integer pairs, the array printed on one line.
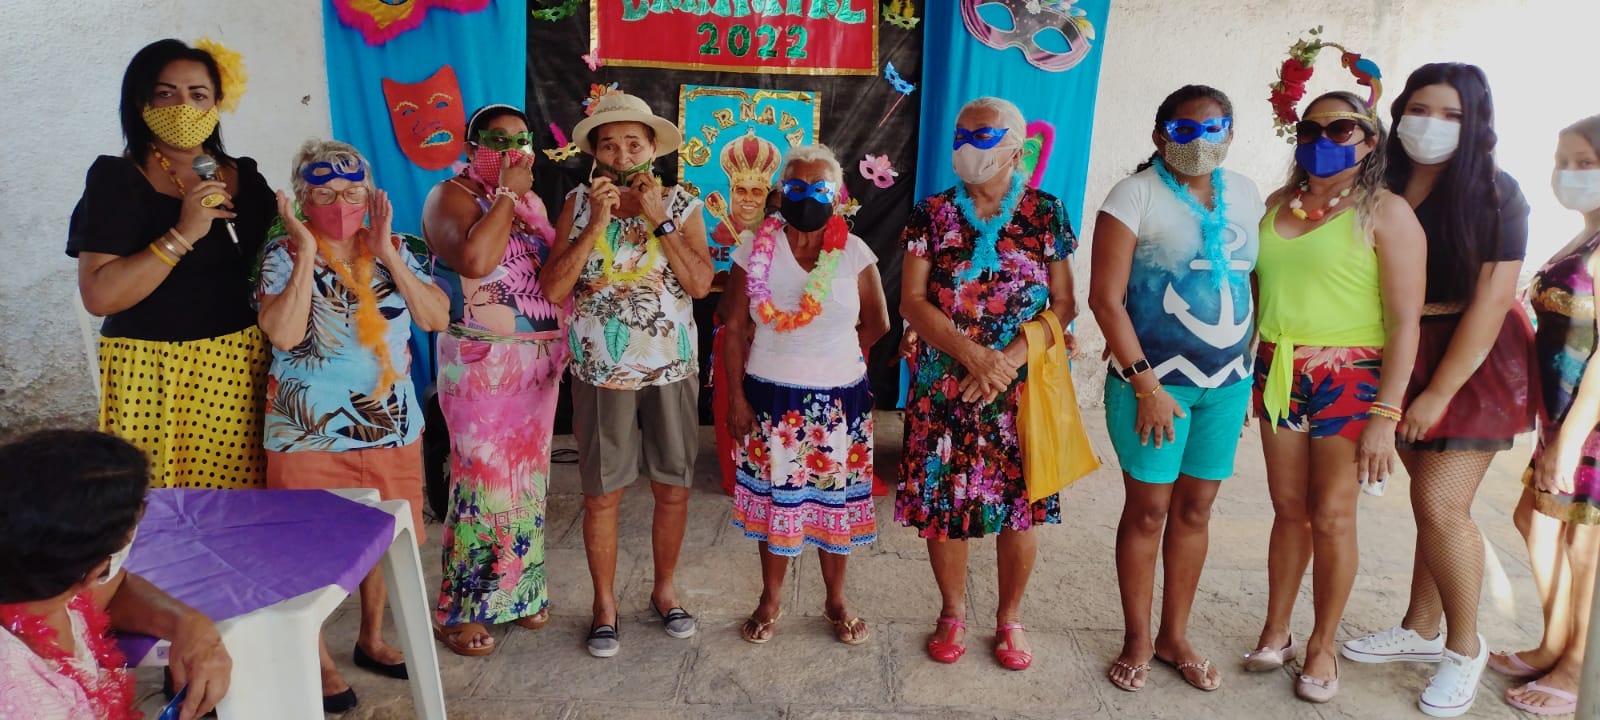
[[750, 160]]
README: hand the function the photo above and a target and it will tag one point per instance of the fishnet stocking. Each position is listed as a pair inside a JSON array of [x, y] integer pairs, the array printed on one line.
[[1447, 574]]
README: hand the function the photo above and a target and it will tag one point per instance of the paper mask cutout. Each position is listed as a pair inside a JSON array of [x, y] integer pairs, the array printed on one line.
[[901, 14], [380, 21], [429, 122], [1036, 151], [564, 150], [899, 84], [878, 169], [1028, 19], [557, 12]]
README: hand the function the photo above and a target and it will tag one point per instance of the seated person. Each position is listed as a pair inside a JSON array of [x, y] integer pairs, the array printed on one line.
[[69, 503]]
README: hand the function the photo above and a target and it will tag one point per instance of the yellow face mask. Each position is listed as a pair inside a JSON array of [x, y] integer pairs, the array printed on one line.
[[182, 126]]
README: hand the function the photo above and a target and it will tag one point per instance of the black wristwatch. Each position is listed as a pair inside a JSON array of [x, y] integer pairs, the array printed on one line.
[[1138, 366], [666, 228]]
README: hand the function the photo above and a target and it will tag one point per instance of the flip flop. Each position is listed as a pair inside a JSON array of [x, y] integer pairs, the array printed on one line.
[[1204, 666], [1140, 673], [752, 629], [452, 635], [1511, 666], [1569, 701], [845, 630]]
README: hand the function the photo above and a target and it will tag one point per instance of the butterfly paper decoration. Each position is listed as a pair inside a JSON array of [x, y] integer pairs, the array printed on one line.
[[879, 170], [597, 91], [593, 60]]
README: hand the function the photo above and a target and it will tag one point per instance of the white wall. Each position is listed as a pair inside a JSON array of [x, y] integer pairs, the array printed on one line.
[[65, 62], [61, 78]]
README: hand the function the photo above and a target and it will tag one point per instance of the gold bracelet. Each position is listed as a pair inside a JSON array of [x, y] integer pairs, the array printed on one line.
[[1143, 395], [181, 239], [162, 256]]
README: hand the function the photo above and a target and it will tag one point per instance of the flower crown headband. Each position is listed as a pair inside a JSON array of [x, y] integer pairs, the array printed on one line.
[[230, 66], [1296, 70]]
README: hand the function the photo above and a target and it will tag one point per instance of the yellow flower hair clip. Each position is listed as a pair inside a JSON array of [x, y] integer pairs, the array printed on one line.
[[230, 65]]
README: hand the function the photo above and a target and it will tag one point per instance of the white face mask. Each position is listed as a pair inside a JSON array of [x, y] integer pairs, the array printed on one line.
[[119, 558], [1577, 189], [975, 166], [1428, 140]]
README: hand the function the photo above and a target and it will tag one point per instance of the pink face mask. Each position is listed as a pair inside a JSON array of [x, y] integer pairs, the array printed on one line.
[[486, 163], [336, 221]]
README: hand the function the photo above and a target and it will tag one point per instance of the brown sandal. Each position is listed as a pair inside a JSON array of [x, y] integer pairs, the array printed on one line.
[[846, 630], [452, 636], [534, 621], [753, 628]]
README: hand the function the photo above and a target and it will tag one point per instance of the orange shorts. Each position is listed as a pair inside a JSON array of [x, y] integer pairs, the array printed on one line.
[[396, 473]]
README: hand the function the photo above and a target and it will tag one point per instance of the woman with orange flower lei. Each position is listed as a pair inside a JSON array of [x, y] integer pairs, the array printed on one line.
[[337, 302], [799, 404]]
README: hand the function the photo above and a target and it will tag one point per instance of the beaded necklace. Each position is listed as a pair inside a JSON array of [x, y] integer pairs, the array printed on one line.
[[985, 253], [167, 166], [819, 282], [108, 687], [1297, 204], [608, 254], [1213, 221]]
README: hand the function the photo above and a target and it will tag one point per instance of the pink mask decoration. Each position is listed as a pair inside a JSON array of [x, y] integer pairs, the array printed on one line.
[[487, 163], [336, 221], [878, 169], [1028, 19]]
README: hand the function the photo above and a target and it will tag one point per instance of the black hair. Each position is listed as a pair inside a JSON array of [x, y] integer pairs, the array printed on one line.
[[1588, 129], [69, 499], [1178, 98], [487, 114], [1466, 189], [139, 88]]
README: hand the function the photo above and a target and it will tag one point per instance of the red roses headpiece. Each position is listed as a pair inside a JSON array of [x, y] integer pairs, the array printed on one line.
[[1296, 70]]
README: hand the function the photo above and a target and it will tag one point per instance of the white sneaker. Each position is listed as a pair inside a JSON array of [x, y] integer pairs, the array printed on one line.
[[1397, 644], [1455, 685]]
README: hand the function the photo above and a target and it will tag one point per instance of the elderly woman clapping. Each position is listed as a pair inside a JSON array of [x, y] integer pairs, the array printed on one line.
[[337, 301]]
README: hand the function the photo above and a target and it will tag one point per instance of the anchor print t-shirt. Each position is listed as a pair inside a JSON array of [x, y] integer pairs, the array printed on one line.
[[1194, 331]]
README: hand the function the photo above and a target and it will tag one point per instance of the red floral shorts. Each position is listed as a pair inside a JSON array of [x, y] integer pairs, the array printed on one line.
[[1330, 392]]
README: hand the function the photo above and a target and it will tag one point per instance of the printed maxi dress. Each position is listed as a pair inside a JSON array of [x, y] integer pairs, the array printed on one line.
[[500, 367], [961, 475]]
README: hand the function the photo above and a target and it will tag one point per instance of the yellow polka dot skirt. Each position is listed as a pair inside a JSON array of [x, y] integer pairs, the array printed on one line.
[[194, 407]]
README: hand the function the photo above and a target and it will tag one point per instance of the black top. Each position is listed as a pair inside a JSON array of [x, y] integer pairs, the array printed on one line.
[[209, 293], [1446, 282]]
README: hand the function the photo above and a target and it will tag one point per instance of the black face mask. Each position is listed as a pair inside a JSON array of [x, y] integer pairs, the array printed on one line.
[[807, 214]]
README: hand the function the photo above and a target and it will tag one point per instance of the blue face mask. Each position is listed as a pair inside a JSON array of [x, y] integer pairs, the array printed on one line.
[[1325, 158]]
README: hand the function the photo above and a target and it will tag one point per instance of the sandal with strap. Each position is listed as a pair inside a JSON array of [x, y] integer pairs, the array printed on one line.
[[458, 638], [1204, 667], [753, 628], [944, 651], [1139, 672], [849, 632], [534, 621], [1010, 658]]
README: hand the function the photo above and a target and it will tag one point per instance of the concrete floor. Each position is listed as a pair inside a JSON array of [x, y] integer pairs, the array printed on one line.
[[1072, 612]]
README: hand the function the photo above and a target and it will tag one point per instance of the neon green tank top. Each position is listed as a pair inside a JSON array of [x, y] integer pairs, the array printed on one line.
[[1320, 289]]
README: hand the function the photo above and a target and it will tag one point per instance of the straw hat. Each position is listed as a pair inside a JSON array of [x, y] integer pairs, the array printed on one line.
[[622, 107]]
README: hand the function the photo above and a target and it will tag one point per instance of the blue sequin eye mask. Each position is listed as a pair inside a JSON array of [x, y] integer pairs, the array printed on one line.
[[1185, 131], [983, 138], [822, 191], [322, 173]]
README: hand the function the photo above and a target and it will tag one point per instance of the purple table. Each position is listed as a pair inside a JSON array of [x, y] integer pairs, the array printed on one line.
[[231, 552]]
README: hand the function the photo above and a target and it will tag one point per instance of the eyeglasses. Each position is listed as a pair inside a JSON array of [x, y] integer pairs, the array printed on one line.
[[500, 141], [355, 195], [1184, 131], [1338, 131], [822, 191], [982, 138]]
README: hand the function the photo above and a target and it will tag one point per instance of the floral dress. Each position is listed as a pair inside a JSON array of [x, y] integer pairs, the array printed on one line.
[[961, 474], [1562, 295]]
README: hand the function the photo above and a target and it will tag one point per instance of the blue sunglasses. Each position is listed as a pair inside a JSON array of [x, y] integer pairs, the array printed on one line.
[[822, 190], [1185, 131], [983, 138]]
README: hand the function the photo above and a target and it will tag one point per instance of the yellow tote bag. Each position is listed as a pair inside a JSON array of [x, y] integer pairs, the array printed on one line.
[[1055, 446]]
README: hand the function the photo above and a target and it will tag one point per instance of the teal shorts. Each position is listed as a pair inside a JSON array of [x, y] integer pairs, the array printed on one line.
[[1204, 443]]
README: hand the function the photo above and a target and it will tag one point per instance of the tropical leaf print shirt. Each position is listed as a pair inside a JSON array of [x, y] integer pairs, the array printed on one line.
[[638, 333], [321, 393]]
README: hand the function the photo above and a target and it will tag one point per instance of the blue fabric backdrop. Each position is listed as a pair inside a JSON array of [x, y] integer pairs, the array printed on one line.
[[489, 50]]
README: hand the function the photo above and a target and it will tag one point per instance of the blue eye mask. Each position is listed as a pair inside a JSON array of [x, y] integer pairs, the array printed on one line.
[[822, 190], [983, 138], [322, 173], [1213, 130]]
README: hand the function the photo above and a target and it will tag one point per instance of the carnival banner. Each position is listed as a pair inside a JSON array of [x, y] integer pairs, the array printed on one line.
[[734, 141], [802, 37]]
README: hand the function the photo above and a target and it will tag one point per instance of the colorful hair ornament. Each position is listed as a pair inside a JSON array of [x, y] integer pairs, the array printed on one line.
[[230, 65], [1296, 70], [597, 91]]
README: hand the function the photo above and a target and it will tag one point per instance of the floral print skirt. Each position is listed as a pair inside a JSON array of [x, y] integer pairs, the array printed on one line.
[[805, 470], [961, 475], [499, 401]]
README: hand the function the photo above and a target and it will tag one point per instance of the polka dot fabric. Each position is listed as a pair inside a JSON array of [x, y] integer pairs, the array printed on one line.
[[193, 407]]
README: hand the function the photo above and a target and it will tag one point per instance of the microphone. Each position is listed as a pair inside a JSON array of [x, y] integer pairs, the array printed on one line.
[[206, 168]]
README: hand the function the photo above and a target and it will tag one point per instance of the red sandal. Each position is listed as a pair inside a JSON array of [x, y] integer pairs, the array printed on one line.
[[947, 652], [1010, 659]]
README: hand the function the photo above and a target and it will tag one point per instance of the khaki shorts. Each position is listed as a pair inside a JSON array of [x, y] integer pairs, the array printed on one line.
[[396, 473], [611, 427]]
